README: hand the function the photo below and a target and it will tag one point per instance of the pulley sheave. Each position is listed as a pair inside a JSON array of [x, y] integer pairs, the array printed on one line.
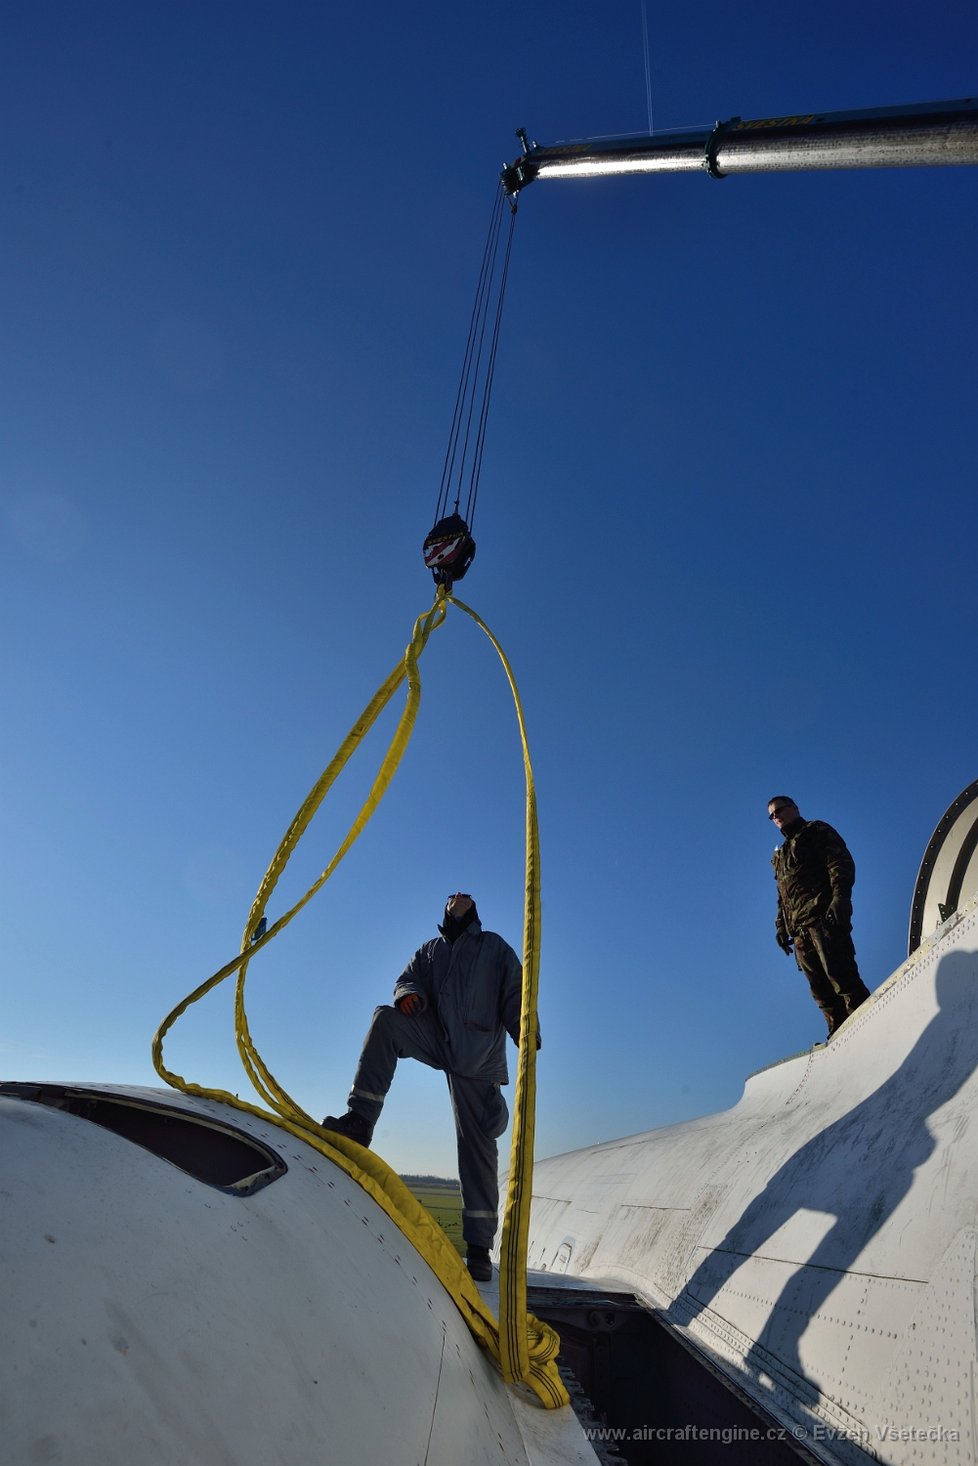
[[449, 549]]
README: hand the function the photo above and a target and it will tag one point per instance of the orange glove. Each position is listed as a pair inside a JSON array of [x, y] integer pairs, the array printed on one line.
[[411, 1004]]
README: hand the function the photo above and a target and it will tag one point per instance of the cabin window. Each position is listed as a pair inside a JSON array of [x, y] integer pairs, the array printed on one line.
[[206, 1149]]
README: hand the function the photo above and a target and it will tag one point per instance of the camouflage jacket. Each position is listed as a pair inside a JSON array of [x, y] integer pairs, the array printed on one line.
[[812, 868]]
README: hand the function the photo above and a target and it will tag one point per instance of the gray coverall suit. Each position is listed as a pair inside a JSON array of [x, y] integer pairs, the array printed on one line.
[[472, 994]]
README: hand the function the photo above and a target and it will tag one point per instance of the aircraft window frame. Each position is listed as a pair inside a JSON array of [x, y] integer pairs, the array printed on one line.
[[212, 1152]]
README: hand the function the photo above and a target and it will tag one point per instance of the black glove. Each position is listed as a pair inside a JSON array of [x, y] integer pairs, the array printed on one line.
[[783, 941], [839, 914]]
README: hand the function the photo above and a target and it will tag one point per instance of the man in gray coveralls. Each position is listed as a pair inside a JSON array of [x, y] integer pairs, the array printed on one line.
[[454, 1003]]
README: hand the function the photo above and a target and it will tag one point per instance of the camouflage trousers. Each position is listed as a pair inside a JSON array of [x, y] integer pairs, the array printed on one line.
[[827, 957]]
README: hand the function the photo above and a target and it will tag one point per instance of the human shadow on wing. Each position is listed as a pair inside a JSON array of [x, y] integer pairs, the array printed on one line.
[[858, 1169]]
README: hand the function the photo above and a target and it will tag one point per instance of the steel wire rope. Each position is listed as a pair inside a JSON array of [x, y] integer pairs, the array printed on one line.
[[461, 396], [477, 376], [464, 453], [490, 377]]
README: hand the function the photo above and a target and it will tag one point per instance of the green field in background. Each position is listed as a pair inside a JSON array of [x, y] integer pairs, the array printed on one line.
[[444, 1201]]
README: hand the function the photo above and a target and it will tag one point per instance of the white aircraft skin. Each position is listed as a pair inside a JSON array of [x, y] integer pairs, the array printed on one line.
[[152, 1319], [816, 1242]]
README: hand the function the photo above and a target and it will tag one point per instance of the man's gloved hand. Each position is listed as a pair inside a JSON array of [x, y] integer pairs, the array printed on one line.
[[783, 941], [839, 913], [411, 1004]]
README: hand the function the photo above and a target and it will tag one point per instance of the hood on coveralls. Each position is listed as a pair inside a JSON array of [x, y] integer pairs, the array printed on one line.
[[453, 926]]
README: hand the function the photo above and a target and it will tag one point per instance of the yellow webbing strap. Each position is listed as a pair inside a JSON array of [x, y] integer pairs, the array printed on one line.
[[517, 1337], [524, 1347]]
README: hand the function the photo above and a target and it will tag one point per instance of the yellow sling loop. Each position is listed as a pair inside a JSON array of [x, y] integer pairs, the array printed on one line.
[[524, 1348]]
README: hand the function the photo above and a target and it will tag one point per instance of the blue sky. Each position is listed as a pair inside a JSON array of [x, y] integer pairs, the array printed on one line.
[[725, 528]]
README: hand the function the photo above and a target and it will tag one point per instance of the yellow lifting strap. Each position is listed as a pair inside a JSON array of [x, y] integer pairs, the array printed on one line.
[[523, 1346]]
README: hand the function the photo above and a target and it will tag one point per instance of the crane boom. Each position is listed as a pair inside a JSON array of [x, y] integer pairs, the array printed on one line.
[[928, 134]]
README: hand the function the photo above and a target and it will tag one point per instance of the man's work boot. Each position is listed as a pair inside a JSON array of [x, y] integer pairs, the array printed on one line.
[[477, 1262], [353, 1126], [836, 1018]]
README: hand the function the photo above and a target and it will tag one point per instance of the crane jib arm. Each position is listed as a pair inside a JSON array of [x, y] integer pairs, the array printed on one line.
[[930, 134]]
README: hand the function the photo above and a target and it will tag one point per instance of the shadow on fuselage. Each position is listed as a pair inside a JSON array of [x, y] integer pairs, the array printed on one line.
[[858, 1169]]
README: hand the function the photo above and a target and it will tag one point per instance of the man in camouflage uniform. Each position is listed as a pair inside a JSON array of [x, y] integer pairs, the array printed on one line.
[[815, 874]]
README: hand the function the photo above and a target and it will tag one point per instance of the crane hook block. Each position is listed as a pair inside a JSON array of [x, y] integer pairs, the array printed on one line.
[[449, 550]]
